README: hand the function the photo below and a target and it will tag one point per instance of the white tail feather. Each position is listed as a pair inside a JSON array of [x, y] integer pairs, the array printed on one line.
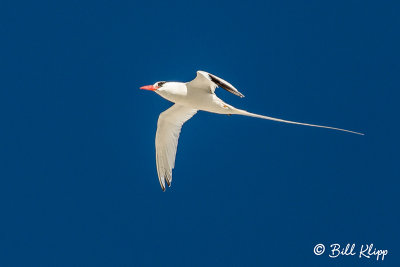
[[245, 113]]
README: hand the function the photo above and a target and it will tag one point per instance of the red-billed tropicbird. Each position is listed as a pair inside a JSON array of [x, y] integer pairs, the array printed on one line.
[[190, 97]]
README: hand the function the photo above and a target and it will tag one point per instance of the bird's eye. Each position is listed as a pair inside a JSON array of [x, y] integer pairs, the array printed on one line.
[[160, 84]]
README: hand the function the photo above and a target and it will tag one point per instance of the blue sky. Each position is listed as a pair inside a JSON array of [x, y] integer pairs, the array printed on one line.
[[78, 180]]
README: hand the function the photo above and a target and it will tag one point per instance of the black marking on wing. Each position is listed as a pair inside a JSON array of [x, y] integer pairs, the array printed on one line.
[[224, 85]]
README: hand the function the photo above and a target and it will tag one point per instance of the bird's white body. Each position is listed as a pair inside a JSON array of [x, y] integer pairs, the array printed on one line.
[[180, 94], [190, 97]]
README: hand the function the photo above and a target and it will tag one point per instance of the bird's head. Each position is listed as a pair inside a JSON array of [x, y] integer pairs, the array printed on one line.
[[153, 87]]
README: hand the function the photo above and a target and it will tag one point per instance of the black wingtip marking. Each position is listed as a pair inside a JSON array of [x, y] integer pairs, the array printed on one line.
[[225, 86], [162, 184]]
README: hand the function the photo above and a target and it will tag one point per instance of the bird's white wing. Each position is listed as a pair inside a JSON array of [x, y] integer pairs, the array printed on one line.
[[208, 81], [168, 129]]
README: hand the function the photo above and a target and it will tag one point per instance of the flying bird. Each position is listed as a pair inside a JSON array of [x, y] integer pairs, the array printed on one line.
[[189, 98]]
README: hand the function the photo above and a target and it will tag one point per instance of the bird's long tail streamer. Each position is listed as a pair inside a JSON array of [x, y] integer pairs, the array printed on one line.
[[246, 113]]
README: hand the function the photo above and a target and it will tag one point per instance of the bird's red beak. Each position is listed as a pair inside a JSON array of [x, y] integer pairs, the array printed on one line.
[[148, 87]]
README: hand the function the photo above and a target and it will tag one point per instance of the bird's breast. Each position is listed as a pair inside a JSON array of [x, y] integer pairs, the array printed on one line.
[[196, 99]]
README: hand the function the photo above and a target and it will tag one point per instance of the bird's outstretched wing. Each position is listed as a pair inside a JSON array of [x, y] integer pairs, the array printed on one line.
[[207, 81], [168, 129]]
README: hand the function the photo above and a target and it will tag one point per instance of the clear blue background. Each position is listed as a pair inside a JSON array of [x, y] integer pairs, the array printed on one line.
[[78, 183]]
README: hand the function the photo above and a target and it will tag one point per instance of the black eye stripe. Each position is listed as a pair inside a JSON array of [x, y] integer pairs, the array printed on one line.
[[161, 84]]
